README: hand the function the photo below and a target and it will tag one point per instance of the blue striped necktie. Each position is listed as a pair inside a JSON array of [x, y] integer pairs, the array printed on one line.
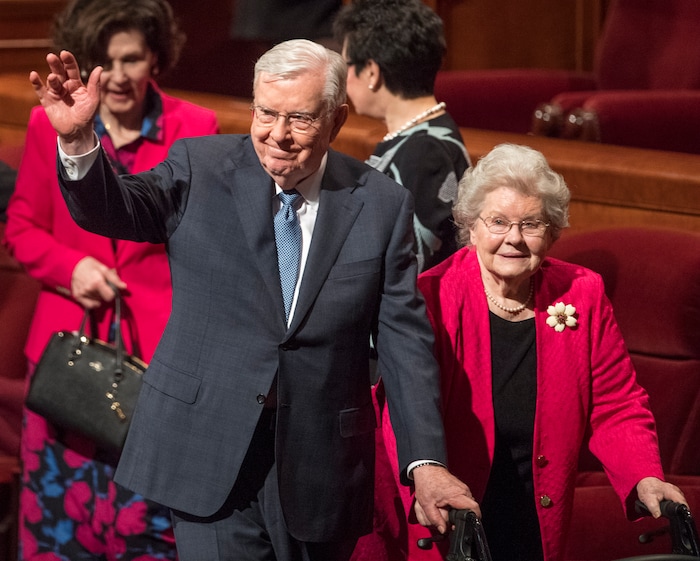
[[288, 240]]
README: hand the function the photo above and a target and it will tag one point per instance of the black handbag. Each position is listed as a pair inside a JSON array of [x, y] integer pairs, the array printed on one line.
[[87, 386]]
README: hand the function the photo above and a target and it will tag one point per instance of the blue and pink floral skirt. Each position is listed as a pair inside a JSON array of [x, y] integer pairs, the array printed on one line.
[[71, 509]]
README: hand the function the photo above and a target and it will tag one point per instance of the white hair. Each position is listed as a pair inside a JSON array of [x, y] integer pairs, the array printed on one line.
[[293, 58], [520, 168]]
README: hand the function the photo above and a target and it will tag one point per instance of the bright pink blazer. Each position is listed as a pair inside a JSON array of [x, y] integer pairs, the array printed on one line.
[[43, 237], [582, 374]]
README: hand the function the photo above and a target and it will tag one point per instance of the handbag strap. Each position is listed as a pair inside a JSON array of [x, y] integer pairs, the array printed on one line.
[[111, 393], [119, 345], [118, 341]]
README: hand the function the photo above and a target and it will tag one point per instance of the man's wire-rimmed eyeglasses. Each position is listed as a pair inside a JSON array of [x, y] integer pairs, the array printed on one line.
[[299, 122]]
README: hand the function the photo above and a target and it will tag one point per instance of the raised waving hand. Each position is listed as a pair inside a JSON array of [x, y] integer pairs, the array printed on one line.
[[69, 103]]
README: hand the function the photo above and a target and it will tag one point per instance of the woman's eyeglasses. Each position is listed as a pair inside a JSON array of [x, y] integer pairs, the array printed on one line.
[[528, 227]]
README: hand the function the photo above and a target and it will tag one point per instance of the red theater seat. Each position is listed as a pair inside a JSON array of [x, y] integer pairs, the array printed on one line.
[[653, 280], [647, 73]]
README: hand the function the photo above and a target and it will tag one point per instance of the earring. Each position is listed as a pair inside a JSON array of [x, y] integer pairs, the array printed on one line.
[[371, 87]]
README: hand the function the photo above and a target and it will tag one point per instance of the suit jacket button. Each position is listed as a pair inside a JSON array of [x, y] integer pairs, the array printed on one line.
[[261, 399], [546, 501], [541, 461], [290, 346]]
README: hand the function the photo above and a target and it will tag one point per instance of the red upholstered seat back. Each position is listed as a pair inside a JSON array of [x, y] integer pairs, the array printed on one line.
[[652, 277], [650, 44], [502, 99]]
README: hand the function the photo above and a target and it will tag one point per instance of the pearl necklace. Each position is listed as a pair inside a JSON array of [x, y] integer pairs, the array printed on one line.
[[439, 107], [517, 309]]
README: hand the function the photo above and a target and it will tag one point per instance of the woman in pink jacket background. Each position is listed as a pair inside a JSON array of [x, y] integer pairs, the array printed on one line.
[[70, 507]]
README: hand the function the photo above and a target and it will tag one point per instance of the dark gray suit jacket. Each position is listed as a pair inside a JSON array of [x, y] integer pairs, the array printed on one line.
[[226, 339]]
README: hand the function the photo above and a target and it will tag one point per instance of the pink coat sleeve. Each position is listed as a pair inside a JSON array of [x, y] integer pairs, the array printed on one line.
[[43, 237], [32, 220]]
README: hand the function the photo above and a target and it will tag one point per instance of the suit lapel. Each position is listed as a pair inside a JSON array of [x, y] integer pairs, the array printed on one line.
[[253, 190]]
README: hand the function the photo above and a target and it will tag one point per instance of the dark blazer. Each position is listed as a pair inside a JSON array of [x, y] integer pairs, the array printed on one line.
[[211, 202]]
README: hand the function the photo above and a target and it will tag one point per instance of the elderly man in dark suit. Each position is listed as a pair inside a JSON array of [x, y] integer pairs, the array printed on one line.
[[255, 424]]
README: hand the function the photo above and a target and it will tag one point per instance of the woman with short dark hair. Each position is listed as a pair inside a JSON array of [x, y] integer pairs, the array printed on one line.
[[394, 49]]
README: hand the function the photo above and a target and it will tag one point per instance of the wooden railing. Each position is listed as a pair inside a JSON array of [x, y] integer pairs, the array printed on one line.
[[611, 186]]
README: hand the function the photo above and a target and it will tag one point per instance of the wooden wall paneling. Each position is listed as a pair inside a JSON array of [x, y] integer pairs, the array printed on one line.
[[590, 16], [16, 101], [480, 34], [483, 34], [614, 186], [24, 33], [17, 97], [211, 61], [611, 186]]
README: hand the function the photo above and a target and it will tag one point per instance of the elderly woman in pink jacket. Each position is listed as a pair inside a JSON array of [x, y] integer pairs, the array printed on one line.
[[70, 507], [532, 358]]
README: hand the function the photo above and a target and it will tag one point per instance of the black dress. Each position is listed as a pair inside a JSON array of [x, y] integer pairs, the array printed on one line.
[[508, 507]]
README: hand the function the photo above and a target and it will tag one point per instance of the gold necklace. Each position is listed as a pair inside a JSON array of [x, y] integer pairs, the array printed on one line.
[[516, 310]]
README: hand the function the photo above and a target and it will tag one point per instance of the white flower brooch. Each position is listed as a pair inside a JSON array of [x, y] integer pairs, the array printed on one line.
[[561, 316]]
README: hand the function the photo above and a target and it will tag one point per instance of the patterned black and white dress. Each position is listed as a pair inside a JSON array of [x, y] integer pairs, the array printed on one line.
[[429, 160]]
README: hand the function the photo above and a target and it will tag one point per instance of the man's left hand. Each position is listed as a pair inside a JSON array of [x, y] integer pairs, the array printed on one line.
[[437, 492]]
